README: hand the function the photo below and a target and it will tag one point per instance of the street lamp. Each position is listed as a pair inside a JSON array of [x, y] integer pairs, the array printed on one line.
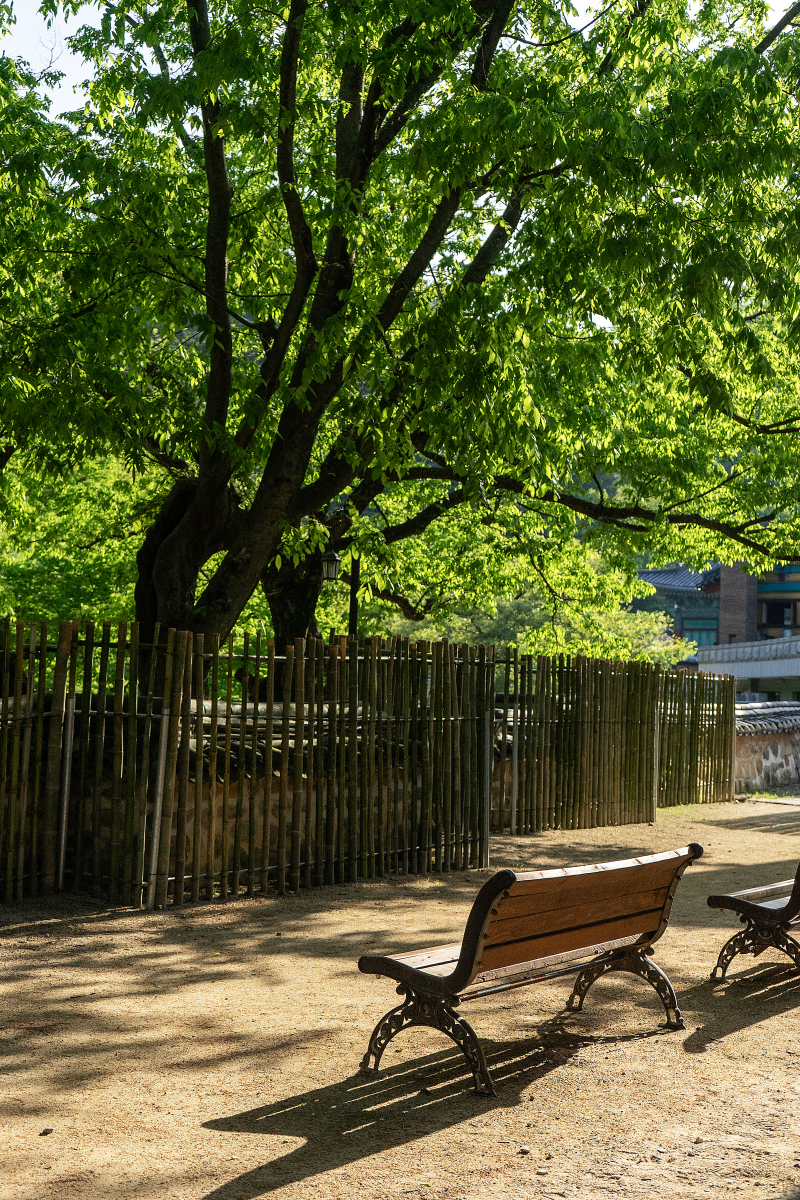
[[330, 566], [355, 576], [330, 573]]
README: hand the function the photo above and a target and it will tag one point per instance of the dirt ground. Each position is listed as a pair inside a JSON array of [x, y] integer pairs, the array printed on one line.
[[213, 1053]]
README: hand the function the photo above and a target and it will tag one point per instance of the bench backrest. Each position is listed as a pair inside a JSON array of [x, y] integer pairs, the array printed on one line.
[[555, 915], [793, 903]]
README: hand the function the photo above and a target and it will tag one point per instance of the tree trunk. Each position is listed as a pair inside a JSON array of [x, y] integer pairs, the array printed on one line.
[[188, 530], [292, 594]]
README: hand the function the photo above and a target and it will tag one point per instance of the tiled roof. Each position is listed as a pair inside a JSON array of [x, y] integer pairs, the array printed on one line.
[[774, 716], [677, 576]]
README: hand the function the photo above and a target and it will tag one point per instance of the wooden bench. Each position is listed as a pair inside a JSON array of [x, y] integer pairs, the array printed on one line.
[[768, 913], [531, 926]]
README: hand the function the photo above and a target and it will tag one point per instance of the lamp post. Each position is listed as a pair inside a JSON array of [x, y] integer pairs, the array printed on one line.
[[352, 624], [330, 573]]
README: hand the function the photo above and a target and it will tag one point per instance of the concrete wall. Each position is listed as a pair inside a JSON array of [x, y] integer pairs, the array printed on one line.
[[738, 609], [765, 760]]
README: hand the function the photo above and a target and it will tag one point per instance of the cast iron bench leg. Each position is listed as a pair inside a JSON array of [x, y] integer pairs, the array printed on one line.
[[755, 939], [436, 1012], [638, 964]]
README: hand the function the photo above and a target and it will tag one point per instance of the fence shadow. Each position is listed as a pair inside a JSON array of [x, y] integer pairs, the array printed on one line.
[[358, 1117]]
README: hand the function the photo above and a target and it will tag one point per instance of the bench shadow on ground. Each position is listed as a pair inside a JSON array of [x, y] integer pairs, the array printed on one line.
[[751, 994], [365, 1115]]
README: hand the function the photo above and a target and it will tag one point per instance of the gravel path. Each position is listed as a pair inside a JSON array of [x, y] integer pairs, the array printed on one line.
[[212, 1053]]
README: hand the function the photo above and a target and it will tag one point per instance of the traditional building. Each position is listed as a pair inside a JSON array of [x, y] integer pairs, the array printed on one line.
[[726, 607], [707, 607]]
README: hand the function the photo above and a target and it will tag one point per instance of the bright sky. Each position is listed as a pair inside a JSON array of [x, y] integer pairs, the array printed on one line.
[[31, 39]]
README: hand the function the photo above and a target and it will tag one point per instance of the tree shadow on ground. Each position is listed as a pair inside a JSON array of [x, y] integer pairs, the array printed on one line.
[[368, 1114]]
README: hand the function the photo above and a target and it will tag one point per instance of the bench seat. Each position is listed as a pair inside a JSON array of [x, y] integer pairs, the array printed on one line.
[[768, 914], [525, 927]]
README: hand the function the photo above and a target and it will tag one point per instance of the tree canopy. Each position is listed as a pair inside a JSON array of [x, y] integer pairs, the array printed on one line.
[[345, 271]]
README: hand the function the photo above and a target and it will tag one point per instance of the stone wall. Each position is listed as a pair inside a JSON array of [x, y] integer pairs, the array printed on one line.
[[765, 760]]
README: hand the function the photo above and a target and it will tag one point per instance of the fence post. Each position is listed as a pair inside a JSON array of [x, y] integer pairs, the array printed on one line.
[[54, 759], [158, 797], [66, 758], [515, 746], [488, 722], [656, 739]]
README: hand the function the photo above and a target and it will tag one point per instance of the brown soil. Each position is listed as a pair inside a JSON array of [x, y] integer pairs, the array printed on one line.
[[212, 1053]]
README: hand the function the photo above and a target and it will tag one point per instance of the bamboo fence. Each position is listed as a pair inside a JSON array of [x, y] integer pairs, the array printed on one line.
[[190, 770], [587, 742]]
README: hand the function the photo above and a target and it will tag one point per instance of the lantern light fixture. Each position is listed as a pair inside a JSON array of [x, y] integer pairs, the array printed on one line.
[[330, 566]]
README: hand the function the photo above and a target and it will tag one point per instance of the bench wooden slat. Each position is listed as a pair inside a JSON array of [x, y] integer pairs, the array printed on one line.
[[523, 895], [754, 894], [428, 959], [552, 960], [561, 916], [543, 944]]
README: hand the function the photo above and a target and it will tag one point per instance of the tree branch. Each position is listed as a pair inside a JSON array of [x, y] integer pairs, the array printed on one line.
[[777, 29], [302, 239], [217, 233], [411, 611], [640, 7]]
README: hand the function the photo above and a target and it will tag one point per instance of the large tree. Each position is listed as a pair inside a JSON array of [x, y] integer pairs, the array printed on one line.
[[456, 255]]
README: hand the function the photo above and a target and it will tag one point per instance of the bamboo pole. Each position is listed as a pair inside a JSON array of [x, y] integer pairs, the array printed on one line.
[[515, 744], [392, 774], [241, 772], [465, 702], [283, 795], [601, 734], [14, 815], [199, 734], [213, 753], [342, 784], [419, 855], [435, 732], [170, 774], [53, 790], [161, 766], [130, 828], [297, 781], [476, 739], [405, 735], [224, 875], [332, 796], [25, 772], [253, 784], [447, 755], [182, 781], [319, 768], [353, 813], [425, 858], [144, 777], [365, 824], [5, 721], [486, 681], [505, 814], [381, 734], [453, 667], [310, 794], [118, 751], [266, 836], [38, 756]]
